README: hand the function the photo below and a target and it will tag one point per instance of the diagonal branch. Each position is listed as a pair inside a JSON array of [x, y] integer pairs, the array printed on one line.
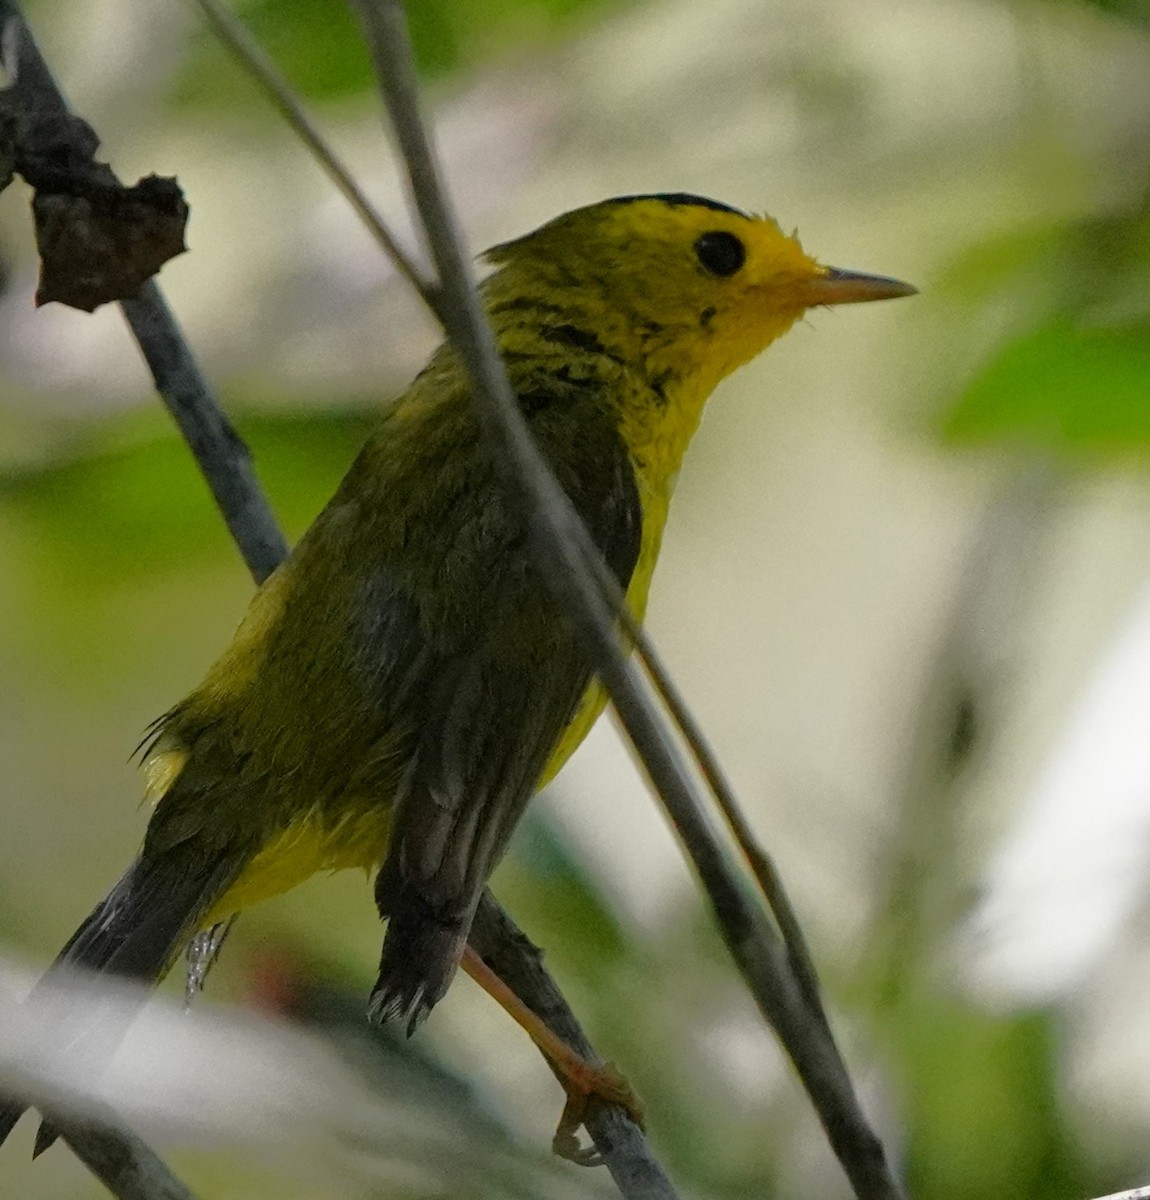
[[127, 1167], [221, 454], [234, 34], [219, 451], [563, 552]]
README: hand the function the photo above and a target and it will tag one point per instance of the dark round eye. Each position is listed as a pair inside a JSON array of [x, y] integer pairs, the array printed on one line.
[[720, 252]]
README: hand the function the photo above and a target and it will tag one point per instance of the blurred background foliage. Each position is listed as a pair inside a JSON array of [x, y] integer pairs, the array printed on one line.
[[903, 586]]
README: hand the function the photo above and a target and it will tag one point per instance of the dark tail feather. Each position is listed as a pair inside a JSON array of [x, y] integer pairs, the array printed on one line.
[[137, 930], [420, 955]]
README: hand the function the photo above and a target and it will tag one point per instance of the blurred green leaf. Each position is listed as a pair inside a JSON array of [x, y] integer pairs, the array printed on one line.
[[1135, 11], [981, 1105], [1018, 259], [1061, 388], [569, 910], [111, 512], [96, 537], [301, 456], [315, 43]]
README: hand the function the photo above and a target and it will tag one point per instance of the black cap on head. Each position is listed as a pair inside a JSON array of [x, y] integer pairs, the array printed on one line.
[[675, 199]]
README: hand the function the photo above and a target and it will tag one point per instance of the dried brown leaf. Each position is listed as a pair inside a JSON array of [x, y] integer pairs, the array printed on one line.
[[103, 243]]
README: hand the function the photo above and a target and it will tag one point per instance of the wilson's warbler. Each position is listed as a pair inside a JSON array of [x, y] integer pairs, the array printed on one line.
[[404, 682]]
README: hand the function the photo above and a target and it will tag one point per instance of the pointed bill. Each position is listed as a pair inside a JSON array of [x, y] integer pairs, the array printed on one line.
[[833, 286]]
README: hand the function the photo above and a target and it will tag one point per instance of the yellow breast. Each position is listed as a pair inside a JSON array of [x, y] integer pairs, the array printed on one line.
[[595, 698], [308, 847]]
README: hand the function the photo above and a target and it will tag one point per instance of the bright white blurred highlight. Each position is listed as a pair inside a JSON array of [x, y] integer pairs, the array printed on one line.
[[222, 1078], [201, 1075], [1072, 870]]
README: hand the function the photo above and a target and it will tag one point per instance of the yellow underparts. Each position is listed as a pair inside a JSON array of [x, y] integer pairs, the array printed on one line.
[[308, 847]]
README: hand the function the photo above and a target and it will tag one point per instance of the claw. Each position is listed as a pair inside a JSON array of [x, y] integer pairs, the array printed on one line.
[[388, 1005], [587, 1086], [46, 1137]]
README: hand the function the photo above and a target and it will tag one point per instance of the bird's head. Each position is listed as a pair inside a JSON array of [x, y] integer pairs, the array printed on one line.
[[677, 283]]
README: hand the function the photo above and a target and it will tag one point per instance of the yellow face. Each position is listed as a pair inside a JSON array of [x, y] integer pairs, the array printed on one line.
[[678, 282]]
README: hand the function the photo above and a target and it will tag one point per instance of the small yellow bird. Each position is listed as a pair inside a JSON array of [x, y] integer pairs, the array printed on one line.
[[405, 682]]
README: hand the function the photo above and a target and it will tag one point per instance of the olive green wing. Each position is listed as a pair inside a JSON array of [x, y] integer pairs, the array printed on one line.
[[491, 714]]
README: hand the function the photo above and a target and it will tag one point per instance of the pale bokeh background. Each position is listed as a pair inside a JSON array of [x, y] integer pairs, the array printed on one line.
[[899, 520]]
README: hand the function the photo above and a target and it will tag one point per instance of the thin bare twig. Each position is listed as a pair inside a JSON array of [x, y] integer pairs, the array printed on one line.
[[221, 454], [234, 34], [563, 548], [123, 1163], [762, 865]]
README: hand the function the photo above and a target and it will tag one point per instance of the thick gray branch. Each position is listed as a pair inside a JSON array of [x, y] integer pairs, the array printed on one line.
[[123, 1163]]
